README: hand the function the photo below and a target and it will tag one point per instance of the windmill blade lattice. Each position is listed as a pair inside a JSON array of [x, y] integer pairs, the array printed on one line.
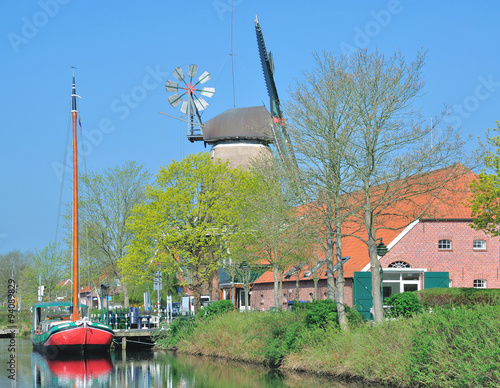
[[189, 88]]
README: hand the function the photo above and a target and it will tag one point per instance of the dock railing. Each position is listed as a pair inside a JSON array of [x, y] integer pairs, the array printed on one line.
[[131, 318]]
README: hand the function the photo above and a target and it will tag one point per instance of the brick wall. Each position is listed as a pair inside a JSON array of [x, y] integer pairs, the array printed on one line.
[[419, 248], [262, 297]]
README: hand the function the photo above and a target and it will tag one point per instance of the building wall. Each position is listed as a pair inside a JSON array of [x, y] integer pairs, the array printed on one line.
[[239, 154], [262, 297], [419, 248]]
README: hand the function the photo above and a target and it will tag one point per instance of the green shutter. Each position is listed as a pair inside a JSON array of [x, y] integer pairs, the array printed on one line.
[[363, 293], [436, 280]]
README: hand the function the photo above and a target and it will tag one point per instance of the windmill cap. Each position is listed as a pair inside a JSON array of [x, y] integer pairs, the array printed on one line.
[[252, 123]]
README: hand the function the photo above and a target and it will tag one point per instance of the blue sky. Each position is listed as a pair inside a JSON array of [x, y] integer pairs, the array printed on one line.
[[125, 51]]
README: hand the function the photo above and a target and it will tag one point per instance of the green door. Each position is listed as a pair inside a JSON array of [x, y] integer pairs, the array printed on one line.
[[436, 280], [363, 293]]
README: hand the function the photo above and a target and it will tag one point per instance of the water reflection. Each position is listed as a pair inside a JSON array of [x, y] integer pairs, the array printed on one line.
[[170, 370], [145, 368], [70, 371], [163, 369]]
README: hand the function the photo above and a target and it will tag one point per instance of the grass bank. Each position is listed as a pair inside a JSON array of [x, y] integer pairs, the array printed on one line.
[[22, 320], [450, 347]]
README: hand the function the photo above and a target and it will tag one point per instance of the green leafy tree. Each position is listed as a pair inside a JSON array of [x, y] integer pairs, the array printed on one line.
[[271, 225], [12, 266], [183, 224], [50, 265], [485, 199]]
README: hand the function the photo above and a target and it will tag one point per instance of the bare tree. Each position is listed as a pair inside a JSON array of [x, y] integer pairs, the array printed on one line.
[[393, 152], [320, 126], [106, 202], [363, 149]]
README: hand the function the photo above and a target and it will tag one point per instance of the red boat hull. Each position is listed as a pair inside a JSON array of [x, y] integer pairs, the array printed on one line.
[[82, 338]]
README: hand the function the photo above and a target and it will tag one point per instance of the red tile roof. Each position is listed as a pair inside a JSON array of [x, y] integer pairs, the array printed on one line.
[[62, 283]]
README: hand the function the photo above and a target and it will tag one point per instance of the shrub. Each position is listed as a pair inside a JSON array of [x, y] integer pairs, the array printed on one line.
[[180, 328], [354, 317], [320, 313], [219, 307], [299, 306], [451, 297], [457, 348], [283, 341], [286, 331], [405, 304]]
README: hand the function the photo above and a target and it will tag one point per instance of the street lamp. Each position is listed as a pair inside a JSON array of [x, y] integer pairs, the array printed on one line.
[[104, 292], [381, 248]]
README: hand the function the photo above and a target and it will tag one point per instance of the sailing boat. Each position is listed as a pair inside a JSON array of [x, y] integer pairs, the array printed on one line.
[[58, 327]]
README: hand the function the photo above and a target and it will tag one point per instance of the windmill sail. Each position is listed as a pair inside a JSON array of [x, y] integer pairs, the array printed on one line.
[[186, 94], [283, 142]]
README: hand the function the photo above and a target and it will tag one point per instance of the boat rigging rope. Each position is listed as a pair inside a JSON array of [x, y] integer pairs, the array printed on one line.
[[66, 146]]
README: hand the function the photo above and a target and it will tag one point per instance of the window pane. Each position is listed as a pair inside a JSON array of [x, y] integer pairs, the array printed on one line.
[[410, 276], [390, 288], [410, 287], [390, 276], [444, 244], [479, 244], [479, 283]]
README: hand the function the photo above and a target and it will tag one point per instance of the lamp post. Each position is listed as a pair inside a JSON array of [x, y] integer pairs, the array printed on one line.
[[245, 268], [104, 293]]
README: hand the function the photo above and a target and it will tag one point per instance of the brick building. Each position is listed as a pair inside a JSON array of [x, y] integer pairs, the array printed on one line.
[[438, 240]]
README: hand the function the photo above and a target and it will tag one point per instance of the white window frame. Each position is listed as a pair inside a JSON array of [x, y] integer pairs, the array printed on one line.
[[402, 282], [479, 248], [480, 283], [442, 248]]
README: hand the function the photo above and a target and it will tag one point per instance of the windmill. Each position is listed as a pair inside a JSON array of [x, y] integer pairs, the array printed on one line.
[[282, 140], [189, 92], [237, 135]]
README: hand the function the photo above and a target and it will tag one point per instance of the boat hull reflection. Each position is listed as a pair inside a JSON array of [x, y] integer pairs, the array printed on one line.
[[74, 371]]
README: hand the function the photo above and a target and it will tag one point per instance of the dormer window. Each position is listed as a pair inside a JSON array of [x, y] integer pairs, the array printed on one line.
[[479, 245], [444, 245]]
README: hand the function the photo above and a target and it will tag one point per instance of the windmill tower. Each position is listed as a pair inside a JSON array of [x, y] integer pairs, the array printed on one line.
[[237, 135]]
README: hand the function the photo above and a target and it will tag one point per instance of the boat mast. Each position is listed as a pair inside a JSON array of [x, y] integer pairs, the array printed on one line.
[[75, 316]]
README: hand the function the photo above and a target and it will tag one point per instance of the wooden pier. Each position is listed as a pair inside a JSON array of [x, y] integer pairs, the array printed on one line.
[[131, 329], [7, 333], [134, 336]]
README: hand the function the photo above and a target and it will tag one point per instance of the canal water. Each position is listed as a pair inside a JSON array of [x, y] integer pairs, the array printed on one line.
[[140, 368]]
